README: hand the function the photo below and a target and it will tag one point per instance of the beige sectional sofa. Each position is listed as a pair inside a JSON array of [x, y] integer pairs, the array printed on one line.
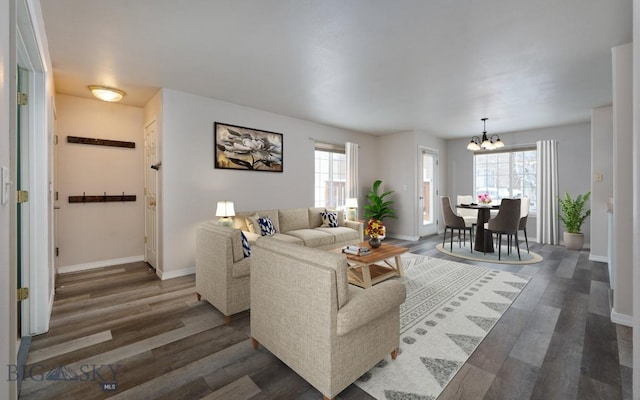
[[222, 270], [303, 226], [304, 312]]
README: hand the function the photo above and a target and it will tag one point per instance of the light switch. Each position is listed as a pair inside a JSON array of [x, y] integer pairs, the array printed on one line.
[[5, 182], [598, 177]]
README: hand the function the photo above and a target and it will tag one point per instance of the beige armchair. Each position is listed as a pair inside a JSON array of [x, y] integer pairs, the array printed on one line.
[[306, 314], [222, 271]]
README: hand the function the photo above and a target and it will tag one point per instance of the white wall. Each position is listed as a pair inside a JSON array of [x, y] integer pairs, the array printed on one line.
[[7, 216], [636, 196], [191, 186], [398, 159], [574, 163], [622, 183], [601, 165], [95, 234]]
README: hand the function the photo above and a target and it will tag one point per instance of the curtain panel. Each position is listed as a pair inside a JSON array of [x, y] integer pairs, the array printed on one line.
[[351, 152], [547, 191]]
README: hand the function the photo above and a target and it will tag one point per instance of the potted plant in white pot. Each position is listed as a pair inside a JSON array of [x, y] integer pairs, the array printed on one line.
[[573, 216]]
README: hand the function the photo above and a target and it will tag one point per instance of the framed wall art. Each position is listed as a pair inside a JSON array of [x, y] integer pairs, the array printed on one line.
[[238, 147]]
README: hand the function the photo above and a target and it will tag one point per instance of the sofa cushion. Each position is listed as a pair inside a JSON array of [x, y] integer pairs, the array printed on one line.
[[267, 228], [236, 245], [335, 261], [246, 249], [342, 234], [313, 237], [252, 223], [315, 219], [283, 237], [329, 219], [293, 219], [251, 237]]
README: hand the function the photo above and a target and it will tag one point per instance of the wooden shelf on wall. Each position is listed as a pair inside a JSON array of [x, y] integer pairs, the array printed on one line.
[[101, 142]]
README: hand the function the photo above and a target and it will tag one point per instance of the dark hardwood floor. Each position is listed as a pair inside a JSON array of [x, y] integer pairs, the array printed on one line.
[[122, 326]]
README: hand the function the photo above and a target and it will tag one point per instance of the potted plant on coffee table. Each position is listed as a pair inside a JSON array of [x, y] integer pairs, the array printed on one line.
[[574, 212], [377, 209]]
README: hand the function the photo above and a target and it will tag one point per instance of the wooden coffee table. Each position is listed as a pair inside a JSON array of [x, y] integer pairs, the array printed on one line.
[[365, 271]]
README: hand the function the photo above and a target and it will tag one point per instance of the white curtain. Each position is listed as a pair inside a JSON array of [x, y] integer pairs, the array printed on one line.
[[351, 152], [547, 192]]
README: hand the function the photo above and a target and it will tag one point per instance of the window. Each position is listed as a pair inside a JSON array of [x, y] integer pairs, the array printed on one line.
[[330, 176], [510, 174]]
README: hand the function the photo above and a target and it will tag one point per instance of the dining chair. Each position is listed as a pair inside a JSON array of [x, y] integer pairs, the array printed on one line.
[[470, 215], [453, 221], [524, 216], [507, 221]]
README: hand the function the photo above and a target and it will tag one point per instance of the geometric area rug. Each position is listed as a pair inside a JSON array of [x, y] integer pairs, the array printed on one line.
[[505, 258], [450, 308]]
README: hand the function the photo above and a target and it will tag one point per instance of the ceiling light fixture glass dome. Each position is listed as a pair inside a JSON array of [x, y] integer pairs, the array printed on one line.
[[107, 94]]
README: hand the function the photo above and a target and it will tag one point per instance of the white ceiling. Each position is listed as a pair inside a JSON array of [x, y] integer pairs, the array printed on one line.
[[374, 66]]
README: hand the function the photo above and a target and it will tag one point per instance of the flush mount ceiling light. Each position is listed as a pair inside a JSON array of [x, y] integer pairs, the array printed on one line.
[[485, 143], [108, 94]]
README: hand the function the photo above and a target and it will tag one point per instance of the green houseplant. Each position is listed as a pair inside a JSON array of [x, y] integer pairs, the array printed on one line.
[[377, 209], [574, 212]]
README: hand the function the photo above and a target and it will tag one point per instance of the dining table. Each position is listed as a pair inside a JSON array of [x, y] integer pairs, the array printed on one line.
[[484, 213]]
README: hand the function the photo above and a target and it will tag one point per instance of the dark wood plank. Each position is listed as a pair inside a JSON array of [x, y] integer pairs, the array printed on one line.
[[101, 142]]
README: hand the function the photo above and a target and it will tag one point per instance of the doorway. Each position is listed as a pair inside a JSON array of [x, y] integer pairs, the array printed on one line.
[[151, 170], [427, 191]]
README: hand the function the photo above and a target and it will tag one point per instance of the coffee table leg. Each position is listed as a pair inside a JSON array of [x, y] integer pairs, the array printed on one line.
[[399, 266], [366, 276]]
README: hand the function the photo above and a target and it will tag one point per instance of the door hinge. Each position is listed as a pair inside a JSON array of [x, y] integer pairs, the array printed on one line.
[[55, 139], [22, 196], [22, 293], [56, 195], [23, 99], [145, 240], [57, 251]]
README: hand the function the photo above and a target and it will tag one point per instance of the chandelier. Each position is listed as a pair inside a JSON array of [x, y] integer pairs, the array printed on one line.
[[486, 142]]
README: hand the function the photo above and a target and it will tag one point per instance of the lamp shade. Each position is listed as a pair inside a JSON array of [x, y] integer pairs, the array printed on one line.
[[225, 209], [473, 146], [351, 202]]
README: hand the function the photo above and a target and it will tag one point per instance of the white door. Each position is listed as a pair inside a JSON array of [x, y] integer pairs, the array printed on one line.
[[427, 192], [150, 199]]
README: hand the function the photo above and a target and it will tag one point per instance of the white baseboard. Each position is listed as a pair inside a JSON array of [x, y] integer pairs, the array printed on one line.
[[99, 264], [174, 274], [621, 319], [594, 257], [404, 237]]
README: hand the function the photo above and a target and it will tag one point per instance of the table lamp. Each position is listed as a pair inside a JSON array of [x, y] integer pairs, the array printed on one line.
[[351, 204], [225, 211]]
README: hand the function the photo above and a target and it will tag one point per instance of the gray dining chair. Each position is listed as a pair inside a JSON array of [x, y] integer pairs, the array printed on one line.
[[507, 221], [524, 217], [453, 221]]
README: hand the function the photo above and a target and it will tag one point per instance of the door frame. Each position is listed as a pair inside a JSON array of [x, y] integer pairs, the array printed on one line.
[[155, 235], [432, 229], [39, 273]]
